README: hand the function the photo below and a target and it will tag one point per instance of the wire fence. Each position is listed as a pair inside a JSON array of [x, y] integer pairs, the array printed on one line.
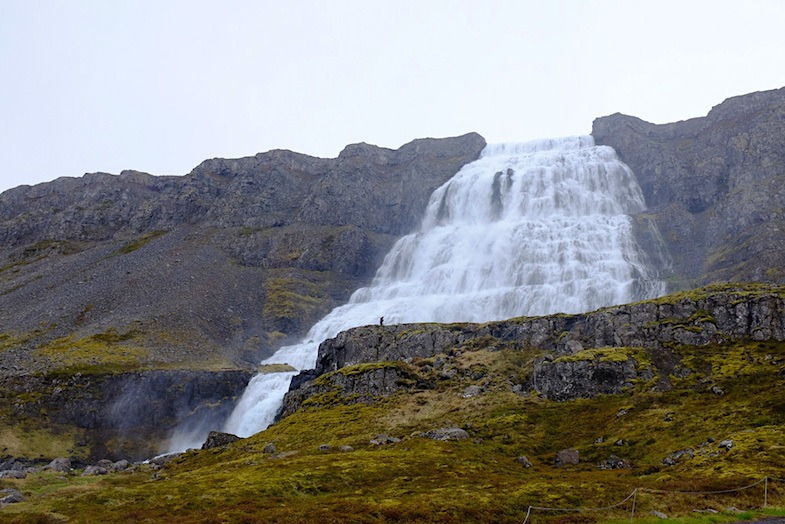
[[633, 497]]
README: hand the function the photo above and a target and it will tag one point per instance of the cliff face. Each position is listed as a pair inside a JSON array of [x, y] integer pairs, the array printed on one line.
[[715, 186], [701, 317], [572, 356], [223, 264], [123, 415]]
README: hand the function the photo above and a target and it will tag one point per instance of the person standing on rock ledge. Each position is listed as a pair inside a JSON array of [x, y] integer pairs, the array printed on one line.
[[381, 321]]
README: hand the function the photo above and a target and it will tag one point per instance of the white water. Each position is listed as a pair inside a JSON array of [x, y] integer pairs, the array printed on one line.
[[527, 229]]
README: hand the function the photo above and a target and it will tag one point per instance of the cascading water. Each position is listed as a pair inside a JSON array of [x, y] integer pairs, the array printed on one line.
[[528, 229]]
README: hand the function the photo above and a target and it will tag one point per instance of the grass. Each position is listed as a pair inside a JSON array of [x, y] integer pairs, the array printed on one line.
[[478, 479], [607, 354], [25, 438], [98, 353], [284, 298], [138, 243], [732, 391]]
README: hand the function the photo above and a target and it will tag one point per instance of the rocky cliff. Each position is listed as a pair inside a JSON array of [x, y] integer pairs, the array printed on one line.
[[715, 186], [219, 266], [116, 416], [570, 356]]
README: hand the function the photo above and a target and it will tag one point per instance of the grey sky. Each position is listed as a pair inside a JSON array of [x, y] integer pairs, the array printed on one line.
[[160, 85]]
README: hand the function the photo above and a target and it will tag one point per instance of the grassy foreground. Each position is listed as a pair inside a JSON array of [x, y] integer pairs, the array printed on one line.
[[478, 479]]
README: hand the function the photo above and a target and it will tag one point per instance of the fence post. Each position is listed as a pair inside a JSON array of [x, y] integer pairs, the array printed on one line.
[[634, 499], [766, 492], [528, 511]]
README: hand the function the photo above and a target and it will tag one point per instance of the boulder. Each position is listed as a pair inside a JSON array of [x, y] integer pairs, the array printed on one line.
[[471, 391], [269, 449], [162, 460], [678, 456], [61, 465], [614, 462], [571, 378], [383, 439], [90, 471], [120, 465], [217, 439], [10, 496], [567, 457], [447, 434], [525, 462]]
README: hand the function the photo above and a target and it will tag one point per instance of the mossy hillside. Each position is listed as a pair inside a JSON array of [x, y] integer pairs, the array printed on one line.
[[16, 339], [275, 368], [112, 351], [39, 251], [33, 435], [642, 425], [606, 354], [288, 298], [98, 353], [25, 437], [741, 290], [294, 298], [479, 479], [140, 242]]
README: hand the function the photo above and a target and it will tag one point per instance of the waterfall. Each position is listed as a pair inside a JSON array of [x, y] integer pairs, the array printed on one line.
[[527, 229]]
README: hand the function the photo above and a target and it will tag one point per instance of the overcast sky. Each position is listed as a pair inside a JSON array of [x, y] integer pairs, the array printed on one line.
[[160, 85]]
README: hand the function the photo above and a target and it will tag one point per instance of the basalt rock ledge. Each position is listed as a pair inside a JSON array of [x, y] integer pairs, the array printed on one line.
[[574, 356]]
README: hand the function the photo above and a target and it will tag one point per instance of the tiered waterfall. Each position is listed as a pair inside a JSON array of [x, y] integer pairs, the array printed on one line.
[[527, 229]]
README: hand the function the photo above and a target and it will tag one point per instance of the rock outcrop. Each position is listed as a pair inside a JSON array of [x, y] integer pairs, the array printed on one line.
[[127, 415], [361, 385], [587, 377], [218, 439], [703, 316], [715, 186], [583, 355]]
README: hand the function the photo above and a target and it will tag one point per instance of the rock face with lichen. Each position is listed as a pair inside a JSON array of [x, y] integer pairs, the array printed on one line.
[[359, 385], [701, 317], [126, 415], [581, 356], [715, 187]]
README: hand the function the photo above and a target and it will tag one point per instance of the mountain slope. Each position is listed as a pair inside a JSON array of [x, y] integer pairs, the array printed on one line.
[[219, 266], [715, 186]]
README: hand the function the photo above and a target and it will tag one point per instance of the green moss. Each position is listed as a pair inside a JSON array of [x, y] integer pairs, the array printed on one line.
[[11, 340], [739, 289], [359, 369], [248, 231], [275, 368], [133, 245], [291, 298], [27, 438], [102, 352], [479, 479], [606, 354]]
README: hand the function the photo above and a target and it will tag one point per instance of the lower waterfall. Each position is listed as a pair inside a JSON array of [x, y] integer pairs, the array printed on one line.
[[527, 229]]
